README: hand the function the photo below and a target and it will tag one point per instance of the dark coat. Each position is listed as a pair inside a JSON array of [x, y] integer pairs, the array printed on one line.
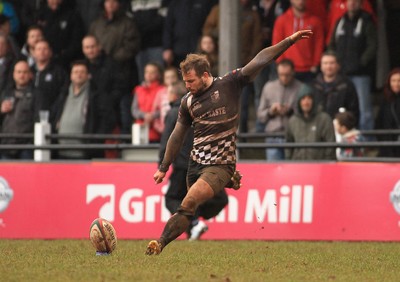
[[341, 93], [96, 113], [389, 118], [63, 29], [48, 83], [182, 160], [183, 25], [20, 119], [355, 42], [104, 73]]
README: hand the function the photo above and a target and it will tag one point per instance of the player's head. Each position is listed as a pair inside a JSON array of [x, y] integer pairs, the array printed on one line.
[[195, 71]]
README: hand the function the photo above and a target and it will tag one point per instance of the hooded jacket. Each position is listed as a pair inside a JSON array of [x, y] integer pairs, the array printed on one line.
[[305, 54], [317, 127]]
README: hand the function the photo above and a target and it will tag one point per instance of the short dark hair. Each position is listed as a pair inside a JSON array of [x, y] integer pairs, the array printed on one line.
[[286, 62], [346, 119], [79, 63], [332, 54], [196, 62], [33, 27]]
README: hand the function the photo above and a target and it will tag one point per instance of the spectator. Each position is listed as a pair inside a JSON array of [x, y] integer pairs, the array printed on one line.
[[345, 128], [208, 46], [149, 17], [277, 104], [33, 35], [161, 102], [318, 8], [7, 61], [268, 10], [389, 113], [143, 109], [49, 79], [178, 188], [80, 110], [89, 10], [63, 28], [120, 39], [337, 8], [183, 27], [17, 111], [355, 41], [7, 9], [334, 90], [5, 29], [104, 74], [29, 13], [392, 30], [309, 125], [307, 54]]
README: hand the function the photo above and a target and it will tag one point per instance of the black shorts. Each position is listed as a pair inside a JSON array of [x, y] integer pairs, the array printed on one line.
[[217, 176]]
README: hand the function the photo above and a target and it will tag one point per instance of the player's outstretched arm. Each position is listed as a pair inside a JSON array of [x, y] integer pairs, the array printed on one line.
[[266, 55], [174, 145]]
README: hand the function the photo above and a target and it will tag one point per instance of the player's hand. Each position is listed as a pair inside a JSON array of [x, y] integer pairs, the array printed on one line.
[[302, 34], [158, 176]]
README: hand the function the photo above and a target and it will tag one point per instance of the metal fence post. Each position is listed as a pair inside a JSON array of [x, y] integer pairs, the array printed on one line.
[[42, 128]]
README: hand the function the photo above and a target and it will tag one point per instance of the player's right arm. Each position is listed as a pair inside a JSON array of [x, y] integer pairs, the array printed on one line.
[[174, 145]]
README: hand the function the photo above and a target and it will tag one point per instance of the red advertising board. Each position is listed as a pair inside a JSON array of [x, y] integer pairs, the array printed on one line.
[[288, 201]]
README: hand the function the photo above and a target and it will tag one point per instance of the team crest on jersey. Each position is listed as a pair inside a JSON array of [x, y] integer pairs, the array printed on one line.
[[215, 96]]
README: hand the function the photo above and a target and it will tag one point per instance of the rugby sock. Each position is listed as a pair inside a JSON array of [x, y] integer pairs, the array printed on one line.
[[175, 226]]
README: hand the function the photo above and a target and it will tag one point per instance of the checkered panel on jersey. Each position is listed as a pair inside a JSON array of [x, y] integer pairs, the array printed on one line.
[[219, 152]]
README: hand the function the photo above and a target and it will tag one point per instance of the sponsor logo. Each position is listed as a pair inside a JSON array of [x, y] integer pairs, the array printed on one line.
[[288, 204], [196, 106], [215, 97], [6, 194], [395, 197]]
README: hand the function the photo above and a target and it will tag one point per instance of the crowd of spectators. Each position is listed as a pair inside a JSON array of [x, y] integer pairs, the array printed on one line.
[[98, 66]]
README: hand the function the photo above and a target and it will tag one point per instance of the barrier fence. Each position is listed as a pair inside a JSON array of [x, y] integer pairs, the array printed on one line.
[[43, 142]]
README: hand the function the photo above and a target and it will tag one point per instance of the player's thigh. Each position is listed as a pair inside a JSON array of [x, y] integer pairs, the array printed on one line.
[[217, 176]]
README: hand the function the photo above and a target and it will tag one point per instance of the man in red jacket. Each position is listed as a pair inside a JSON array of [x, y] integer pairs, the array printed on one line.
[[307, 53]]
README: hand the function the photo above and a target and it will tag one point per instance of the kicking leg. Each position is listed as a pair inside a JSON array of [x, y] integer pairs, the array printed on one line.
[[200, 192]]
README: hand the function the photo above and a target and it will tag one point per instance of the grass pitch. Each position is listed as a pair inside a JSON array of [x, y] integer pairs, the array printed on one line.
[[75, 260]]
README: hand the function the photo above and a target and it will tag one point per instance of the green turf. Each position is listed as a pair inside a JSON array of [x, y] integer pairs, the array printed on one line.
[[75, 260]]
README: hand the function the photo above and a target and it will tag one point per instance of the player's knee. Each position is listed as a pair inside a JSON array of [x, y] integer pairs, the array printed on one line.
[[188, 207]]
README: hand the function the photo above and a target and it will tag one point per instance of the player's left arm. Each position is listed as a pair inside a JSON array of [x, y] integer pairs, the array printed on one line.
[[267, 55]]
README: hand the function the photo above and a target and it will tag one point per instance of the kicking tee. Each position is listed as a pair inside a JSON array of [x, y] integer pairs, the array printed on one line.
[[214, 116]]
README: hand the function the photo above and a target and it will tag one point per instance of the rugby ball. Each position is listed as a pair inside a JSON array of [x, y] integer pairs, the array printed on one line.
[[103, 236]]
